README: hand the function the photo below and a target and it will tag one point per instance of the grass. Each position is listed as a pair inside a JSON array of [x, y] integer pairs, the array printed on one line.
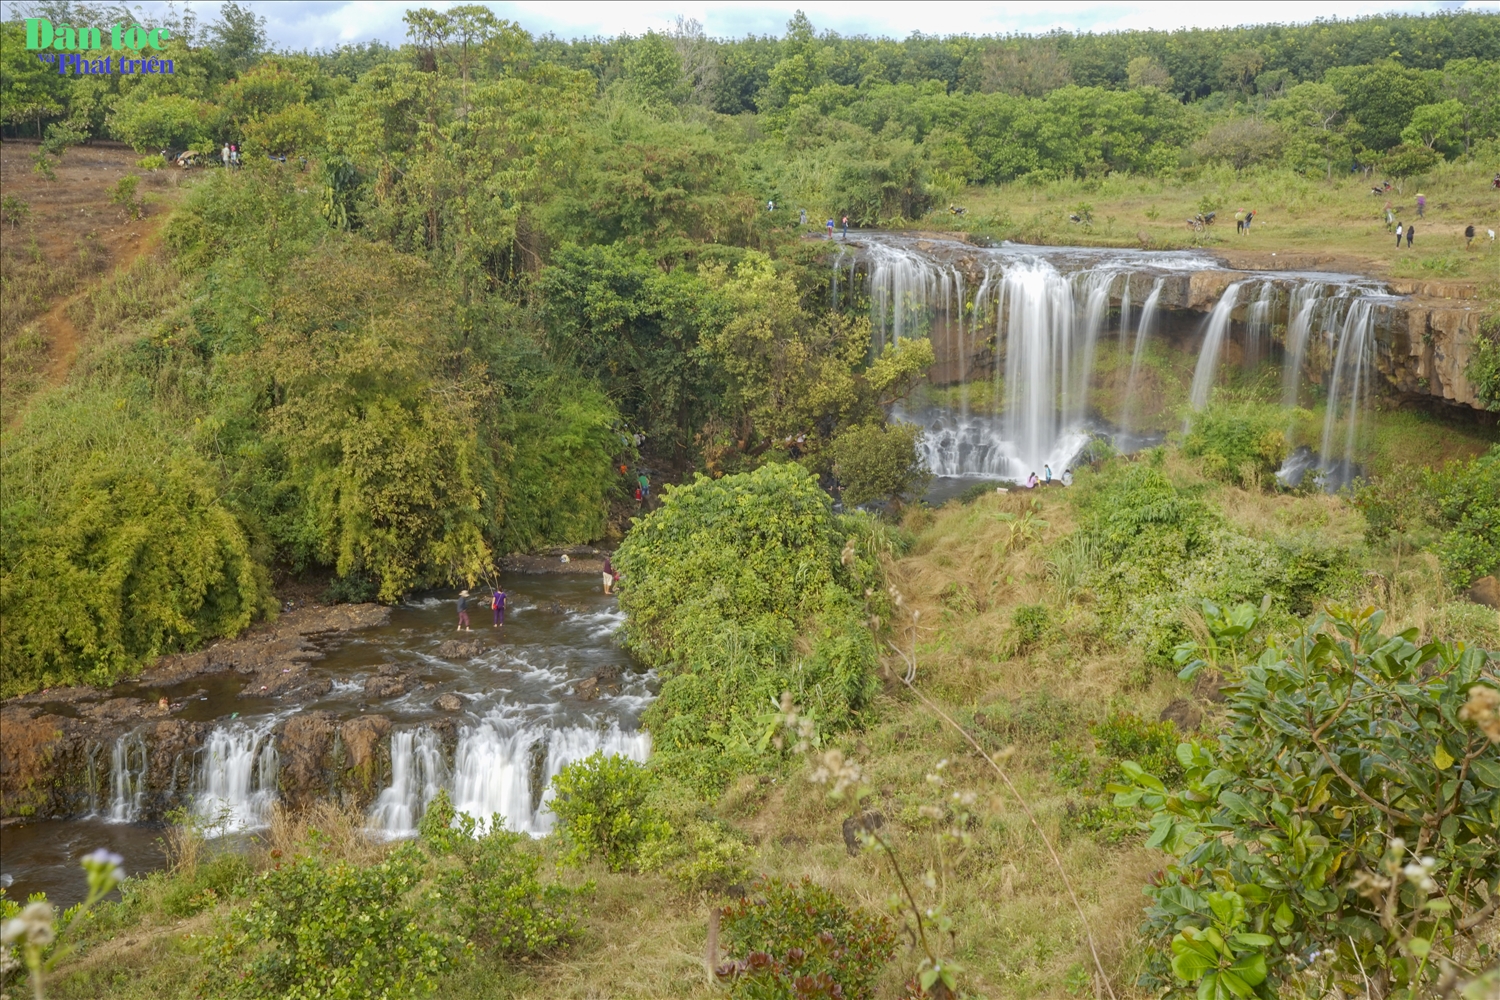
[[1017, 935], [1337, 221]]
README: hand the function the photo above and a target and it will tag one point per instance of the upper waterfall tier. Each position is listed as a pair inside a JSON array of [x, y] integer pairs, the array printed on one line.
[[1019, 329]]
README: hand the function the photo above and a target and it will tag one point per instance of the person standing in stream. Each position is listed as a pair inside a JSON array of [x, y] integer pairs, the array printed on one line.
[[463, 611], [497, 605], [609, 575]]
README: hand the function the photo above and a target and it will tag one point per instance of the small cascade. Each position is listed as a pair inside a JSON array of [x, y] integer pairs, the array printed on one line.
[[1302, 308], [1124, 331], [1258, 323], [127, 779], [1143, 334], [1352, 344], [236, 780], [906, 291], [510, 774], [1215, 332], [418, 773]]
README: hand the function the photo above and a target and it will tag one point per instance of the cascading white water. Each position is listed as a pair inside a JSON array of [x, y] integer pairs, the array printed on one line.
[[1352, 345], [1258, 323], [1302, 307], [1143, 334], [236, 780], [1216, 330], [418, 773], [498, 769], [127, 779], [906, 289]]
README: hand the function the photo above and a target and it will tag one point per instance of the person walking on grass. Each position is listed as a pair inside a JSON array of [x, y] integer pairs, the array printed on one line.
[[1239, 222], [1421, 205], [497, 605], [1468, 236], [463, 611], [1411, 234], [644, 482], [1400, 232], [1249, 218]]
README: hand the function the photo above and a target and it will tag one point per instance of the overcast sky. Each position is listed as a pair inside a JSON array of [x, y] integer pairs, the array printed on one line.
[[303, 24]]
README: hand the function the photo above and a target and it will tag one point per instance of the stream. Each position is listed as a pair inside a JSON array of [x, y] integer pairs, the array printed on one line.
[[551, 686]]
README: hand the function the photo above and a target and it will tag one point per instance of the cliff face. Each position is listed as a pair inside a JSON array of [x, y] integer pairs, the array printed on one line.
[[1424, 333]]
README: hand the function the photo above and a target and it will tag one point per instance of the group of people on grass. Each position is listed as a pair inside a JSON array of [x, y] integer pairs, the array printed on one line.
[[1032, 482]]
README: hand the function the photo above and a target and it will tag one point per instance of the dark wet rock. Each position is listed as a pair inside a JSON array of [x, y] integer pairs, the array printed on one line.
[[305, 746], [587, 689], [117, 711], [385, 686], [269, 647], [389, 669], [1183, 713], [449, 702], [865, 822], [367, 758], [1486, 591], [457, 649]]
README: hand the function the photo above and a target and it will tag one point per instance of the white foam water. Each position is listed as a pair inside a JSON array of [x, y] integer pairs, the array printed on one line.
[[235, 785]]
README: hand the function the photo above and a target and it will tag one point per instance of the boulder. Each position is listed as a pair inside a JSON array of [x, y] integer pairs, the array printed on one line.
[[448, 702], [587, 689], [385, 686], [367, 758], [305, 746], [455, 649], [1183, 713], [865, 822]]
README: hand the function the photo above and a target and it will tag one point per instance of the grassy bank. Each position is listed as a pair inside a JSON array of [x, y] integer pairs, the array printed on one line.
[[1019, 634]]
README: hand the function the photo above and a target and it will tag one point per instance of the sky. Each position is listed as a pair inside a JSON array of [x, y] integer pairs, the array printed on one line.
[[303, 24]]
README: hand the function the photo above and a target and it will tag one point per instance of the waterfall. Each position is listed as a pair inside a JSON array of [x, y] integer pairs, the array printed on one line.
[[1352, 344], [905, 290], [1258, 321], [1213, 344], [236, 781], [127, 779], [1124, 331], [418, 773], [1301, 309], [500, 769], [1143, 334]]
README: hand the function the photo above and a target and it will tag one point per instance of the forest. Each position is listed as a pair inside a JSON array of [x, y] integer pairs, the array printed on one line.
[[451, 301]]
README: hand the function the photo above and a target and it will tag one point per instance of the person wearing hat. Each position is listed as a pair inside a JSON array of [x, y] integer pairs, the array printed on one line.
[[463, 611]]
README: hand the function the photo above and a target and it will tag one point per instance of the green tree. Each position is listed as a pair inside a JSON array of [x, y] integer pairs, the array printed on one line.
[[1381, 98], [1435, 125], [879, 463]]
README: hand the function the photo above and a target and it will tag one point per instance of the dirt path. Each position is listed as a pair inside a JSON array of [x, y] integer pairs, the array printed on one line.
[[63, 338]]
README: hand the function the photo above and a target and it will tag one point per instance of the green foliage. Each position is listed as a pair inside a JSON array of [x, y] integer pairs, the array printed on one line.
[[1483, 369], [1468, 508], [603, 811], [787, 940], [167, 121], [113, 555], [1241, 443], [488, 883], [874, 462], [13, 211], [1158, 550], [1029, 624], [123, 195], [1348, 808], [778, 566], [331, 929]]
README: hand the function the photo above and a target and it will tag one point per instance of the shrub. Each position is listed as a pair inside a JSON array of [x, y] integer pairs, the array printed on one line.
[[797, 939], [1126, 736], [1468, 507], [721, 581], [1483, 369], [490, 887], [316, 929], [1348, 810], [879, 462], [1029, 624], [602, 810], [1241, 443]]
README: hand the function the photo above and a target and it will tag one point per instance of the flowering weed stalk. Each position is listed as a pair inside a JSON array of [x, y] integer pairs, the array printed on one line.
[[35, 929]]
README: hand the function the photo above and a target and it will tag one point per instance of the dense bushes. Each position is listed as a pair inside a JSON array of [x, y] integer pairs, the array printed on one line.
[[1156, 550], [603, 812], [1468, 508], [721, 582], [797, 939], [116, 548], [1346, 812], [1241, 443]]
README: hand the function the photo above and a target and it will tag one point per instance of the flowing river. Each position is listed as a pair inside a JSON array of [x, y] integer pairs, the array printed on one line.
[[552, 686]]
